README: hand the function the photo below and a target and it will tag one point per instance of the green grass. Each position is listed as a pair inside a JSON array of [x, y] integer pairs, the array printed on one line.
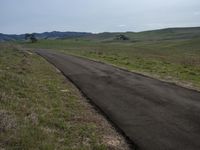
[[38, 109], [177, 60]]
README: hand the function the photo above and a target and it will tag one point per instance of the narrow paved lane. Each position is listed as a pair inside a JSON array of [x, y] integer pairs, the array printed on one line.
[[154, 114]]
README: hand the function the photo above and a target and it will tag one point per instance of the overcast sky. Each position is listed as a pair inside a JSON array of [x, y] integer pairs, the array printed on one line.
[[25, 16]]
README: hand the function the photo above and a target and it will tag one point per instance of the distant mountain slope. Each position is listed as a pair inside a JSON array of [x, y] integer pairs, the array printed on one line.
[[167, 34], [60, 35], [10, 37], [162, 34], [154, 35], [45, 35]]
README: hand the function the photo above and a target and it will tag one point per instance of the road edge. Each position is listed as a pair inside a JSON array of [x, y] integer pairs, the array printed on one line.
[[132, 144]]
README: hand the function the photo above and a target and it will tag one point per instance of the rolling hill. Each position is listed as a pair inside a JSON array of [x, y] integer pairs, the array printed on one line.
[[154, 35], [44, 35]]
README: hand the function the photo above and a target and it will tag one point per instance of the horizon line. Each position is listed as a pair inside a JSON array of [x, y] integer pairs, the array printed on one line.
[[175, 27]]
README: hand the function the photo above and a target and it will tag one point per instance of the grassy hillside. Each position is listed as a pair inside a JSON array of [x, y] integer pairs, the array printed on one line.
[[40, 109], [176, 59], [154, 35]]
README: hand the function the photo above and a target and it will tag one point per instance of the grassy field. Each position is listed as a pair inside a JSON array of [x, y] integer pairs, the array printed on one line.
[[172, 60], [40, 109]]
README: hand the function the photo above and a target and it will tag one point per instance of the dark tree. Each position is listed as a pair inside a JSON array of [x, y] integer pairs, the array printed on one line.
[[122, 37], [33, 38], [27, 36], [30, 37]]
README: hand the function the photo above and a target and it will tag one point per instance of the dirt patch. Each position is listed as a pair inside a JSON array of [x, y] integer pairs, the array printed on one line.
[[7, 121], [33, 118]]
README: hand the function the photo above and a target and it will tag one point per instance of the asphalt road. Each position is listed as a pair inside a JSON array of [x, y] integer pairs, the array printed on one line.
[[155, 115]]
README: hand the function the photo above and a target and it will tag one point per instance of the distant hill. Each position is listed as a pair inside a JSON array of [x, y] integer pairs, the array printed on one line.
[[60, 35], [167, 34], [44, 35], [11, 37], [154, 35]]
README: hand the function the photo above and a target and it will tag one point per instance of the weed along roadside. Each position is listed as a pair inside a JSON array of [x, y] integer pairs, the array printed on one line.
[[41, 109]]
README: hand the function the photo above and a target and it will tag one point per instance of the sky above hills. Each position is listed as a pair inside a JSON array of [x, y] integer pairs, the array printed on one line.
[[26, 16]]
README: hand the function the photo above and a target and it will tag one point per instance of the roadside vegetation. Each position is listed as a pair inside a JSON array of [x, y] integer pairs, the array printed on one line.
[[40, 109], [176, 60]]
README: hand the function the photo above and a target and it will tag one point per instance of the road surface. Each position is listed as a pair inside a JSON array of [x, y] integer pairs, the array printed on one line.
[[153, 114]]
